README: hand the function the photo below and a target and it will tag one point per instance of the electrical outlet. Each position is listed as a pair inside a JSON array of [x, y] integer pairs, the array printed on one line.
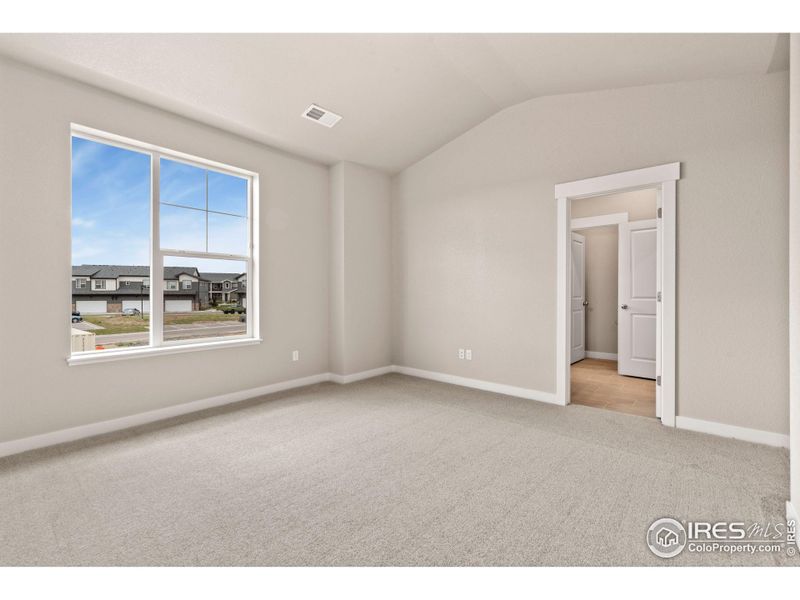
[[461, 353], [295, 354], [469, 354]]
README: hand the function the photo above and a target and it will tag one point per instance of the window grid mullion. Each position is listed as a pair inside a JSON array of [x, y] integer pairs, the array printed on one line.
[[157, 258], [206, 172], [213, 212]]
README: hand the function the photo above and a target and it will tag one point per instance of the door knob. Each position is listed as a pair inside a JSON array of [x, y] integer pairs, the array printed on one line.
[[586, 303], [624, 307]]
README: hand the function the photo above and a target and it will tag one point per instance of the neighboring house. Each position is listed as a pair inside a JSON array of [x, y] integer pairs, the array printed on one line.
[[226, 288], [98, 289], [242, 291]]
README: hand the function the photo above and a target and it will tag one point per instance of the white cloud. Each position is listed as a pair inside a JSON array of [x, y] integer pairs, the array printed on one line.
[[83, 154], [79, 222]]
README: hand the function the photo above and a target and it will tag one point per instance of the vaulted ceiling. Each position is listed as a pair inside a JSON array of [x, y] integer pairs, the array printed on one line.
[[401, 95]]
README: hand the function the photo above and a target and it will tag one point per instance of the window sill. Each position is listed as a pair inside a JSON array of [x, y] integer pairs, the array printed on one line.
[[85, 358]]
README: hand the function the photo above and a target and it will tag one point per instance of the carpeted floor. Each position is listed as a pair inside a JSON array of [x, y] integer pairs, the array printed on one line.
[[390, 471]]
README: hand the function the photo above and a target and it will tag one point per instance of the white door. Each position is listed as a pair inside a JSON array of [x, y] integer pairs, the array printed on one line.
[[578, 304], [137, 304], [174, 306], [638, 285], [91, 307]]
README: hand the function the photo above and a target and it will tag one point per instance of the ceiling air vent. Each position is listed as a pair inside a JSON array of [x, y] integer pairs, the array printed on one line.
[[320, 115]]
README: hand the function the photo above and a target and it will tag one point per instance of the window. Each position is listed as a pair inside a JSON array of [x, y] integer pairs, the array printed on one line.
[[137, 208], [80, 283], [221, 317]]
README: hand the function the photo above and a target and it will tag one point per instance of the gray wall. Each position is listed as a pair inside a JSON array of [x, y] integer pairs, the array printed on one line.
[[473, 260], [38, 391], [336, 339], [601, 261], [601, 288], [360, 275], [639, 204], [475, 249], [794, 182]]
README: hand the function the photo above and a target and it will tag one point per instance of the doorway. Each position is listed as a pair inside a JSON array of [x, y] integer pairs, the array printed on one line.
[[663, 180], [613, 302]]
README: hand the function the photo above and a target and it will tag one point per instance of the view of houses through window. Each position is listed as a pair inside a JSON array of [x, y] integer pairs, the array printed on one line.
[[204, 301], [202, 211]]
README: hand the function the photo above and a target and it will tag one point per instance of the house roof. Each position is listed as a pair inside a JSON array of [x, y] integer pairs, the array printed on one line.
[[84, 270], [220, 277], [114, 271]]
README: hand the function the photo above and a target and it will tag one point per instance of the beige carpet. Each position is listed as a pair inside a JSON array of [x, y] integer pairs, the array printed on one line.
[[390, 471]]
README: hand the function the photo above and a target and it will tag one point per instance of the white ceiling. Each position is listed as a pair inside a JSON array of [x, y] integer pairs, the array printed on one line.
[[401, 95]]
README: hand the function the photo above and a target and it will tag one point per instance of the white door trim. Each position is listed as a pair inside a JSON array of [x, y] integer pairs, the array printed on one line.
[[599, 221], [661, 178], [617, 182]]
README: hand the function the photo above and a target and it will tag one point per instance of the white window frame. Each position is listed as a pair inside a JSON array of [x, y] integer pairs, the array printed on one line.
[[187, 284], [98, 284], [157, 344], [81, 283], [170, 285]]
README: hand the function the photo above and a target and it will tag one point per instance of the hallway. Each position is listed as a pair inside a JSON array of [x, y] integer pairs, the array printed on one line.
[[596, 383]]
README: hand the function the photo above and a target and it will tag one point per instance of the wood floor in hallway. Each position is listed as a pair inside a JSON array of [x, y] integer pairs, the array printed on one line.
[[596, 383]]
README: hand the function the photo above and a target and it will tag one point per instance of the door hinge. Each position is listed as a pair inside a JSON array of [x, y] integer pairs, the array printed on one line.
[[658, 297], [659, 212], [658, 379]]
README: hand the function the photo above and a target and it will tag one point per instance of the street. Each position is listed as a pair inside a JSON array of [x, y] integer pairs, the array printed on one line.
[[177, 332]]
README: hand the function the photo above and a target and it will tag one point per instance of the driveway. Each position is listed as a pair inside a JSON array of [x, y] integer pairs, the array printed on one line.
[[85, 326]]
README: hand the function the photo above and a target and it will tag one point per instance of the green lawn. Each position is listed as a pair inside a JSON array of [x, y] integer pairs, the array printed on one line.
[[184, 318], [117, 324], [112, 324]]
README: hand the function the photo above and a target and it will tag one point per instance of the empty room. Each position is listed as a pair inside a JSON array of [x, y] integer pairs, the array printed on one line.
[[399, 299]]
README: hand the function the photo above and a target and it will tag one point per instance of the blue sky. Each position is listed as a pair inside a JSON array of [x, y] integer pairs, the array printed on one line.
[[111, 209], [110, 205]]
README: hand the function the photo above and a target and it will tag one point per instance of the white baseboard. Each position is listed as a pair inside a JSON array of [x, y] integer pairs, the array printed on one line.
[[733, 431], [92, 429], [792, 515], [488, 386], [335, 377], [601, 355], [499, 388]]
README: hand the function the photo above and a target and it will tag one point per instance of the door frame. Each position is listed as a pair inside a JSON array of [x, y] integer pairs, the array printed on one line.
[[663, 179], [582, 223]]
